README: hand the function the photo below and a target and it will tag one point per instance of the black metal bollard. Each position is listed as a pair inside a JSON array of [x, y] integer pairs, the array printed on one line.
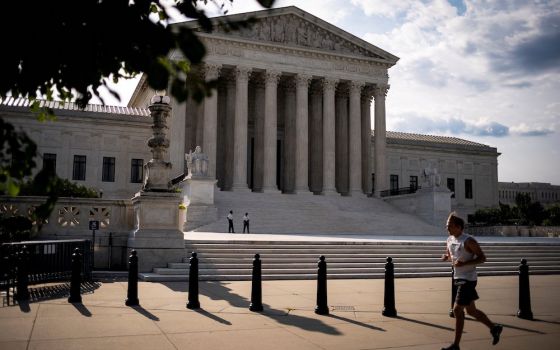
[[256, 287], [193, 302], [132, 293], [322, 307], [524, 292], [389, 299], [453, 293], [76, 279], [22, 277]]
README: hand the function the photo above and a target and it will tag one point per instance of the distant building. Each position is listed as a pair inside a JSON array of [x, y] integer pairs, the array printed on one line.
[[545, 193]]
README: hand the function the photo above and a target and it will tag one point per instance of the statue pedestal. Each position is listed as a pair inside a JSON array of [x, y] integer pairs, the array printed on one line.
[[433, 205], [198, 195], [156, 236]]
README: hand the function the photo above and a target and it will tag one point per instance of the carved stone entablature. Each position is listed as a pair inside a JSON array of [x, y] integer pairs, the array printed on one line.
[[294, 30], [259, 54]]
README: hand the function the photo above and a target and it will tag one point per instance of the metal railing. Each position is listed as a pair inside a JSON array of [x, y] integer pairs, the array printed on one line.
[[399, 191], [47, 261]]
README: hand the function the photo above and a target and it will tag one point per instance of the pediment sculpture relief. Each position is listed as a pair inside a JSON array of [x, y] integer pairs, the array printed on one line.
[[291, 29]]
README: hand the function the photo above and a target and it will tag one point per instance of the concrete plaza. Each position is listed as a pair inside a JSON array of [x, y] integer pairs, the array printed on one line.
[[288, 321]]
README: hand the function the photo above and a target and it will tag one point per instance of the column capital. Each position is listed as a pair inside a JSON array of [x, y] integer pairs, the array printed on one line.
[[367, 94], [356, 86], [381, 90], [242, 73], [272, 76], [211, 71], [302, 80], [329, 83]]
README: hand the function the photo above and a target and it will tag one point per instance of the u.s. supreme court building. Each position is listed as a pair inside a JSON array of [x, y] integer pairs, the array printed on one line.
[[293, 113]]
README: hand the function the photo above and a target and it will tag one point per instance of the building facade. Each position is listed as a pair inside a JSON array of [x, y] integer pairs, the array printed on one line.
[[296, 103], [544, 193]]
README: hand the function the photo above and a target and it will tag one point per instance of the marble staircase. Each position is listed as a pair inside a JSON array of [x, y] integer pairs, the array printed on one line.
[[315, 214], [232, 260]]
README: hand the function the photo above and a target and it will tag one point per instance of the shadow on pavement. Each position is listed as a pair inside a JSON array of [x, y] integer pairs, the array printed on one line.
[[358, 323], [213, 317], [216, 290], [82, 309], [145, 313], [424, 323]]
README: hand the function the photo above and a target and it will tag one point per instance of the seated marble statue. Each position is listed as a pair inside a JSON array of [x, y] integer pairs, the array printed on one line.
[[197, 163]]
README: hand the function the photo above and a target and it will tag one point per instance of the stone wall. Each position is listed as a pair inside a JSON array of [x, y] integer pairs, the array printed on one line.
[[515, 231], [70, 220]]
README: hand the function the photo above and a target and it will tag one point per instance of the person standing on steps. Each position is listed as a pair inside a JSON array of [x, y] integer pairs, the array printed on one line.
[[230, 222], [465, 253], [246, 222]]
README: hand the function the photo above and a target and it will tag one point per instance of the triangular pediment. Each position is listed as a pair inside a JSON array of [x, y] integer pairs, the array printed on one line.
[[294, 27]]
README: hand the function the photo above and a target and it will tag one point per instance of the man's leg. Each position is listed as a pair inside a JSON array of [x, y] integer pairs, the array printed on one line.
[[495, 329], [459, 313], [479, 315]]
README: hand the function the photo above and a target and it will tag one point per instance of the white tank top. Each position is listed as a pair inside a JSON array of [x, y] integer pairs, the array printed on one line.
[[458, 251]]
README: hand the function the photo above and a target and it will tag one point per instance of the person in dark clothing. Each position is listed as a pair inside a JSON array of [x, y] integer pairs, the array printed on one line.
[[246, 222], [230, 222]]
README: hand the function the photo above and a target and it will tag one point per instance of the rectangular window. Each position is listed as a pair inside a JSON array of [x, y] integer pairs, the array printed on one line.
[[413, 183], [451, 186], [108, 169], [394, 183], [468, 188], [79, 169], [49, 163], [137, 171]]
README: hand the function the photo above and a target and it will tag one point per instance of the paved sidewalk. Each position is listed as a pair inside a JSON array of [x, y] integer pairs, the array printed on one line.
[[288, 321]]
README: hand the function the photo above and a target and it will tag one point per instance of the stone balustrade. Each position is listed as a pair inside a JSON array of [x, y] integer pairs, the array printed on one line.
[[70, 220]]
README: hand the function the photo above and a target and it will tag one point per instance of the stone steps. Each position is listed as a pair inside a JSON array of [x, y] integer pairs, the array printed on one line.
[[314, 214], [298, 260]]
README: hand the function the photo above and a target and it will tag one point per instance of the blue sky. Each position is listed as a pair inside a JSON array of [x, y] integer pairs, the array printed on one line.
[[486, 71]]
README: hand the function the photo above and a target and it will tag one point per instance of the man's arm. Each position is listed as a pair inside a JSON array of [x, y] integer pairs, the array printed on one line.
[[446, 256], [472, 246]]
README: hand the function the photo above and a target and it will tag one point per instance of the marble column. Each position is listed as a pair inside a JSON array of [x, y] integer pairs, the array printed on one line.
[[341, 122], [329, 136], [210, 128], [381, 176], [240, 131], [366, 140], [229, 134], [257, 113], [270, 131], [316, 137], [355, 139], [177, 135], [302, 141], [289, 172]]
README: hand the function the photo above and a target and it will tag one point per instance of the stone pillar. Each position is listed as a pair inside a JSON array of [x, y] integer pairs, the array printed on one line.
[[221, 142], [355, 139], [316, 137], [257, 111], [329, 136], [270, 131], [366, 139], [177, 133], [341, 122], [240, 130], [230, 130], [302, 141], [381, 176], [210, 129], [289, 136]]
